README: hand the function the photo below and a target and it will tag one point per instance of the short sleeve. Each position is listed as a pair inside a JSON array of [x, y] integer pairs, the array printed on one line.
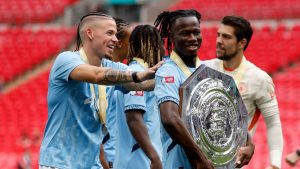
[[64, 64], [167, 83], [135, 100]]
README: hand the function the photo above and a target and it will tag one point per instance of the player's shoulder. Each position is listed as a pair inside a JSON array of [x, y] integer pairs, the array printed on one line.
[[67, 56], [135, 66], [212, 63], [168, 67], [168, 61], [258, 72]]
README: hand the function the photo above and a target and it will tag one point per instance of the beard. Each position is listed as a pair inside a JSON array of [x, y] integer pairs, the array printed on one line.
[[227, 57], [108, 56]]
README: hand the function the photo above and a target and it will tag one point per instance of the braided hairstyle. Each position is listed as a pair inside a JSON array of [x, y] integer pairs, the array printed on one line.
[[166, 19], [83, 18], [145, 43], [121, 24]]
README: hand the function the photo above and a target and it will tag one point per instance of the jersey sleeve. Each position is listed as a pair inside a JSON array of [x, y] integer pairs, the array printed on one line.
[[135, 99], [65, 63], [267, 103], [266, 98], [167, 83]]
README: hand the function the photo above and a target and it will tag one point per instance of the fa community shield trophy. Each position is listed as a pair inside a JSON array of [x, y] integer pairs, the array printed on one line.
[[215, 115]]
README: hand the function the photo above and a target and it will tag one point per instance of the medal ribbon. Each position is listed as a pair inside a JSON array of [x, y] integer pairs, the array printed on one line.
[[182, 65], [102, 103]]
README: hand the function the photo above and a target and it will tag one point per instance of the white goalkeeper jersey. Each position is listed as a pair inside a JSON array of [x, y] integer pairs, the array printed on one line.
[[257, 90]]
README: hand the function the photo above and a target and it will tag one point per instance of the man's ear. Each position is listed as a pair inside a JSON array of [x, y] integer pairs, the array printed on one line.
[[242, 43], [89, 33]]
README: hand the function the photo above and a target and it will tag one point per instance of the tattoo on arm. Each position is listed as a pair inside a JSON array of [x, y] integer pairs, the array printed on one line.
[[115, 76]]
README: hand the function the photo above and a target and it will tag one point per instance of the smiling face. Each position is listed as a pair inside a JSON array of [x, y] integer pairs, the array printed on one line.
[[186, 36], [103, 37]]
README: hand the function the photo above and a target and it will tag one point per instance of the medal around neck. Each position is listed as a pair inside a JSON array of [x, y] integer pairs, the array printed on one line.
[[214, 114]]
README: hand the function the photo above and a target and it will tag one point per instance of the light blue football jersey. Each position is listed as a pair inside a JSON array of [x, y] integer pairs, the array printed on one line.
[[128, 154], [73, 131], [168, 78], [109, 139]]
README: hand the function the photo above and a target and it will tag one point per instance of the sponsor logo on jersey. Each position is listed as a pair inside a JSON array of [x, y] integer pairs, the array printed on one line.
[[137, 93], [169, 79]]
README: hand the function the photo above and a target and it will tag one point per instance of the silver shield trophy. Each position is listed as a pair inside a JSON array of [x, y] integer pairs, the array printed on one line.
[[215, 115]]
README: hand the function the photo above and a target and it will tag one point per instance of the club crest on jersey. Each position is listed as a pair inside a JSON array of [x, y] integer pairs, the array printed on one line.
[[242, 88], [169, 79], [137, 93]]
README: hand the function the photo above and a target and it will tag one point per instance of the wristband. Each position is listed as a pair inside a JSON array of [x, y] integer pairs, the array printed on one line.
[[134, 77]]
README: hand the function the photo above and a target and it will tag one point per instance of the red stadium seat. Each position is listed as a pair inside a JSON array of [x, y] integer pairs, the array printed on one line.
[[37, 11], [215, 10], [23, 46]]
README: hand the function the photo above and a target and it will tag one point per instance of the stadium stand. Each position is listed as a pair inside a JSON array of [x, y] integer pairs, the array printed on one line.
[[23, 110], [252, 9], [31, 11], [23, 48]]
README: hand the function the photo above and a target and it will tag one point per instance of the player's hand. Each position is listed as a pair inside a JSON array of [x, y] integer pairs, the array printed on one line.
[[149, 73], [244, 155], [292, 158], [197, 158]]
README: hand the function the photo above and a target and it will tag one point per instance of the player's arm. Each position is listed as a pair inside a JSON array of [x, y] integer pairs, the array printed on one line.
[[108, 76], [267, 104], [275, 139], [147, 85], [175, 127], [102, 158], [139, 131]]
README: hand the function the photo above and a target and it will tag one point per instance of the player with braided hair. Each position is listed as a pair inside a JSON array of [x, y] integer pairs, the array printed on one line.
[[182, 30], [146, 44], [166, 19], [138, 124]]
